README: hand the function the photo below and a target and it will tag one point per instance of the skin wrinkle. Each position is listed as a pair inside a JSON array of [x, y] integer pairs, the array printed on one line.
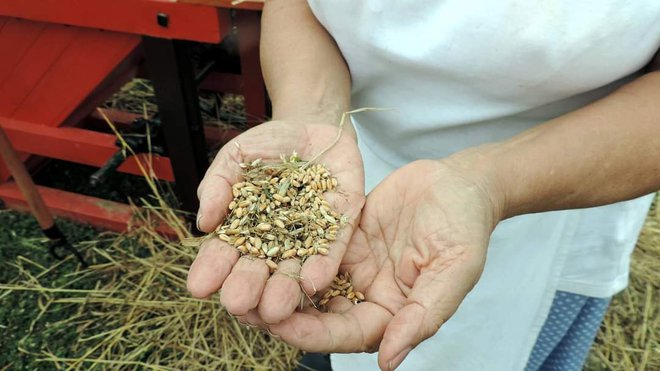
[[380, 262], [291, 276], [225, 263], [222, 213], [428, 318], [392, 308], [331, 337], [261, 266], [361, 331]]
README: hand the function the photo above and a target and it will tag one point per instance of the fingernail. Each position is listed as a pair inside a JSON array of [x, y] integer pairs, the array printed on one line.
[[199, 217], [396, 361]]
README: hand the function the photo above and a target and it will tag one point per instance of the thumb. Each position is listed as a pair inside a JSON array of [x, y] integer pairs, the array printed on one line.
[[409, 327], [215, 190], [435, 296]]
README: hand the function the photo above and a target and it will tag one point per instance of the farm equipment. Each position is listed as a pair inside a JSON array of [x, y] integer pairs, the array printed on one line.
[[61, 59]]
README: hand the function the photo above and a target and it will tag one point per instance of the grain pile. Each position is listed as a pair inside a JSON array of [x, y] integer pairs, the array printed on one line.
[[342, 286], [279, 212]]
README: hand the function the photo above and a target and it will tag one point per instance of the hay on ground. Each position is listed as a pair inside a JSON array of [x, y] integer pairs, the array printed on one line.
[[629, 338]]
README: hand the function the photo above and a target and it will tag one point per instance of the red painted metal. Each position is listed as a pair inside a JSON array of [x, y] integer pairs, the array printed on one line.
[[42, 50], [76, 145], [76, 73], [47, 78], [16, 38], [185, 21], [102, 213], [55, 75], [106, 214]]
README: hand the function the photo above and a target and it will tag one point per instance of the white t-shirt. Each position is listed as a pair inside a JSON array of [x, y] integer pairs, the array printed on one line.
[[461, 73]]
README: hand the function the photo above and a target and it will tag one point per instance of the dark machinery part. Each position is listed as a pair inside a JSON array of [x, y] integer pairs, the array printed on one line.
[[145, 136], [172, 73], [58, 242], [176, 69], [137, 137]]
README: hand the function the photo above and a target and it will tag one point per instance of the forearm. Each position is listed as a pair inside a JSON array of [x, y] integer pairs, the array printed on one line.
[[606, 152], [304, 71]]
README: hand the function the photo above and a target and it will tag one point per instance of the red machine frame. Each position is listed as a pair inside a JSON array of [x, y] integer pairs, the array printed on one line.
[[161, 24]]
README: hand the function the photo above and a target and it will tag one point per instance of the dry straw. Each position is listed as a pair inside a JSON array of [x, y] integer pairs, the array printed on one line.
[[140, 315], [629, 338]]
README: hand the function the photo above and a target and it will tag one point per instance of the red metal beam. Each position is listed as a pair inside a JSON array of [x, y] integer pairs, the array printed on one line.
[[101, 213], [76, 145], [85, 209], [184, 21]]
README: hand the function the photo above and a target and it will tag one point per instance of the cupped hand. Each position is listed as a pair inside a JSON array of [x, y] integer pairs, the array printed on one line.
[[419, 249], [245, 283]]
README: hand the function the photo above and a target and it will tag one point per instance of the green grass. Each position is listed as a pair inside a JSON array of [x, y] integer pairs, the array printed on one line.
[[21, 242], [27, 331]]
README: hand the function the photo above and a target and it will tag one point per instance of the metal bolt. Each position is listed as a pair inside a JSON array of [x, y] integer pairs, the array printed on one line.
[[163, 19]]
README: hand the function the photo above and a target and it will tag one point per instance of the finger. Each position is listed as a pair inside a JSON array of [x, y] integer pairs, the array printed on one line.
[[348, 204], [434, 298], [358, 330], [252, 319], [214, 192], [244, 285], [211, 267], [213, 203], [407, 329], [282, 292]]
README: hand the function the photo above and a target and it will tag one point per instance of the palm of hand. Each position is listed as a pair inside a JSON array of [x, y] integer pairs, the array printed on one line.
[[246, 284], [419, 249]]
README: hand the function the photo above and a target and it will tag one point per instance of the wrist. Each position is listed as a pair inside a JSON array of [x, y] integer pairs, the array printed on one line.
[[329, 114], [476, 166]]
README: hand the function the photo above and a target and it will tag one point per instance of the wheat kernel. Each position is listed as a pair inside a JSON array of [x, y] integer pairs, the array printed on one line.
[[271, 264], [273, 251]]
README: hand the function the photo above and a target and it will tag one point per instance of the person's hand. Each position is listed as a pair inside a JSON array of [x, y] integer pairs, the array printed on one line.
[[419, 249], [246, 284]]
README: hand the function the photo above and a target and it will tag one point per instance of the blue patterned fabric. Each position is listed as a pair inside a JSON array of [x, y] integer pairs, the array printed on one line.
[[564, 341]]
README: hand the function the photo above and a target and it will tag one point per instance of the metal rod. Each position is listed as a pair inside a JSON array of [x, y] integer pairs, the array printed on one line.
[[25, 183], [36, 204]]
